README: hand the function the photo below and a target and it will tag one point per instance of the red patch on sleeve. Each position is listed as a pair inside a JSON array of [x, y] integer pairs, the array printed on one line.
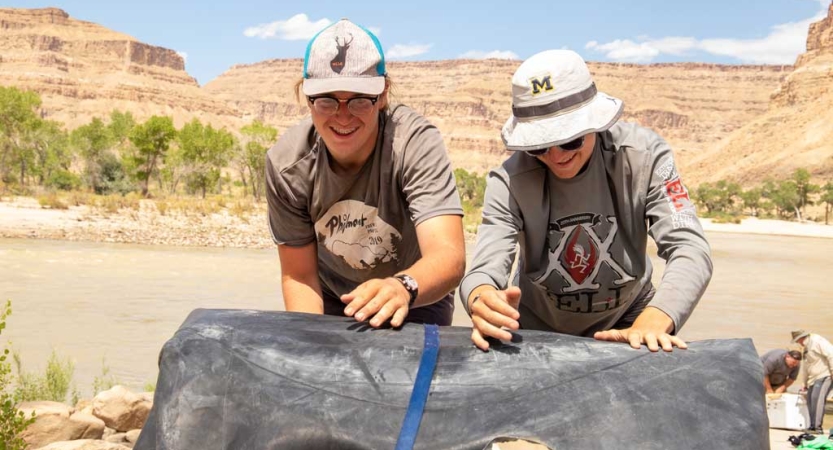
[[676, 193]]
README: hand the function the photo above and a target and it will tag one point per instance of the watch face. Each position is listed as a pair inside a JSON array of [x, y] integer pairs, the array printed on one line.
[[410, 283]]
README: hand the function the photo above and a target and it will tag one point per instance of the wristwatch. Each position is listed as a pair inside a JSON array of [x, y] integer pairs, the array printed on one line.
[[410, 285]]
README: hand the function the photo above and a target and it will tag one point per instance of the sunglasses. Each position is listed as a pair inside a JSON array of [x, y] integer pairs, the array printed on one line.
[[570, 146]]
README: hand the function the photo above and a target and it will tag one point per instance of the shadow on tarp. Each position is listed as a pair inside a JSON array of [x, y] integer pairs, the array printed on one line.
[[233, 379]]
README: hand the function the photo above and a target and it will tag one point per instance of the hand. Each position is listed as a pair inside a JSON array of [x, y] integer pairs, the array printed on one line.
[[379, 298], [651, 328], [493, 310]]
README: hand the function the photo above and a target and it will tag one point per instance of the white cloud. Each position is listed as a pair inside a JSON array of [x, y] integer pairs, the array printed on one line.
[[183, 55], [781, 46], [625, 50], [296, 28], [494, 54], [405, 51]]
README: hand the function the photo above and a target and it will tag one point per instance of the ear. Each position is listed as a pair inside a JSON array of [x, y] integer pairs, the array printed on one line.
[[382, 103], [383, 97]]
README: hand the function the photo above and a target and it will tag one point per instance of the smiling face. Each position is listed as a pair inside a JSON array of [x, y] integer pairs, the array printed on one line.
[[567, 164], [350, 139]]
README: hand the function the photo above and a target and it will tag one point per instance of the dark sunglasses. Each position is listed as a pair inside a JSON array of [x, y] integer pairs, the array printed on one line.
[[570, 146]]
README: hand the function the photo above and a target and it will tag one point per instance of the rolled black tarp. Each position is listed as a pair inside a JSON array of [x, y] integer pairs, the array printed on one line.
[[236, 379]]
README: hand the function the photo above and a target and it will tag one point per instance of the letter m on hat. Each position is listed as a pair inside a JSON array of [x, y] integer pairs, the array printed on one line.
[[544, 84]]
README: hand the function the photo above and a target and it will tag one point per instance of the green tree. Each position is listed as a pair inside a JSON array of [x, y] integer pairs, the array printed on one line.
[[93, 142], [17, 115], [174, 170], [805, 188], [52, 151], [707, 196], [12, 420], [728, 193], [120, 126], [827, 199], [152, 140], [752, 200], [206, 151], [472, 187], [257, 138], [786, 199]]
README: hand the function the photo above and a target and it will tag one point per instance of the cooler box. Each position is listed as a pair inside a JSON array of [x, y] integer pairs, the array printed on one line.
[[787, 411]]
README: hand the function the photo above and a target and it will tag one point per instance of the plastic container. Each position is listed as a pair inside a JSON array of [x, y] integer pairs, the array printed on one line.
[[787, 411]]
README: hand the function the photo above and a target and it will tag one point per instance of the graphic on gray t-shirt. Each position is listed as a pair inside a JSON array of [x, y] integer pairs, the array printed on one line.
[[354, 231]]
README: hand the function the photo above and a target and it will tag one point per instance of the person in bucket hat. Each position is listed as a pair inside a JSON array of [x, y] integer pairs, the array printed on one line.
[[580, 195], [818, 374], [362, 202]]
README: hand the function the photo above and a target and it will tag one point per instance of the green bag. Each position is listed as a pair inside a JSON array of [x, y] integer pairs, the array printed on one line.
[[820, 442]]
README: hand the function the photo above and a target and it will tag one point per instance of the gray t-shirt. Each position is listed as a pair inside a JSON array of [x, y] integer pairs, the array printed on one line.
[[776, 367], [365, 224], [583, 257]]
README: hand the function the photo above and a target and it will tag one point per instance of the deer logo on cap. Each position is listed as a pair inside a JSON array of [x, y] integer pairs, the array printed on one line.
[[544, 84], [337, 63]]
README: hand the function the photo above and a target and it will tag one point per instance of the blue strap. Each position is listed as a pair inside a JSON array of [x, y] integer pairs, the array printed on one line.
[[422, 384]]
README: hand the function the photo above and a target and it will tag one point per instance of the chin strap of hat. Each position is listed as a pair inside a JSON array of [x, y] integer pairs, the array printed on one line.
[[422, 385]]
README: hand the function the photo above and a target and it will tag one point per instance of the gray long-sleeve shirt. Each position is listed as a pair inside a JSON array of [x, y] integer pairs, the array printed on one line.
[[583, 240]]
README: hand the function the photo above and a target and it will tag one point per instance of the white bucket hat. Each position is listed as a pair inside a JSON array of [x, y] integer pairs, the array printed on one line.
[[554, 100]]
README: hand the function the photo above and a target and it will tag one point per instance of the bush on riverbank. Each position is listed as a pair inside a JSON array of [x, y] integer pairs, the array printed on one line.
[[52, 385], [12, 421]]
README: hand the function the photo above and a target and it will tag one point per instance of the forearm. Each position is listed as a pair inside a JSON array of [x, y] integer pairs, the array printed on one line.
[[680, 239], [302, 295], [299, 278], [497, 238], [438, 274], [687, 274], [767, 385]]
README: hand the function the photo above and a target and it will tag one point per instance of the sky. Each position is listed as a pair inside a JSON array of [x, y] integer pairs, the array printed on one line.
[[214, 35]]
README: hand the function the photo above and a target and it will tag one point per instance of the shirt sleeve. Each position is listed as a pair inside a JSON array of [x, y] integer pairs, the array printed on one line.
[[825, 350], [674, 226], [497, 238], [289, 219], [769, 364], [428, 183]]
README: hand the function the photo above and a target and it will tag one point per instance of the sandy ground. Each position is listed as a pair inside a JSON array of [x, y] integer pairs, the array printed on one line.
[[22, 217], [775, 227]]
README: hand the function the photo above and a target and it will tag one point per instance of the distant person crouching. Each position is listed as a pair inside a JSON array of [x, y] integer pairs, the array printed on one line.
[[780, 369]]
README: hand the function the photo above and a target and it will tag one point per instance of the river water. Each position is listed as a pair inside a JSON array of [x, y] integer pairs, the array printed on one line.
[[117, 304]]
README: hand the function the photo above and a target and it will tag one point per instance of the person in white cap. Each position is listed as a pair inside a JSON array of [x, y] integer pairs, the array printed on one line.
[[580, 196], [818, 374], [362, 200]]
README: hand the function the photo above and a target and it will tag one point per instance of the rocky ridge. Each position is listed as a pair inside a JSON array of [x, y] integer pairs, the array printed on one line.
[[692, 105], [82, 70], [739, 122], [795, 131]]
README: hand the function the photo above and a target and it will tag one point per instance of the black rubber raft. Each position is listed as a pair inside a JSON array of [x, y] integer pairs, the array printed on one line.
[[235, 379]]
